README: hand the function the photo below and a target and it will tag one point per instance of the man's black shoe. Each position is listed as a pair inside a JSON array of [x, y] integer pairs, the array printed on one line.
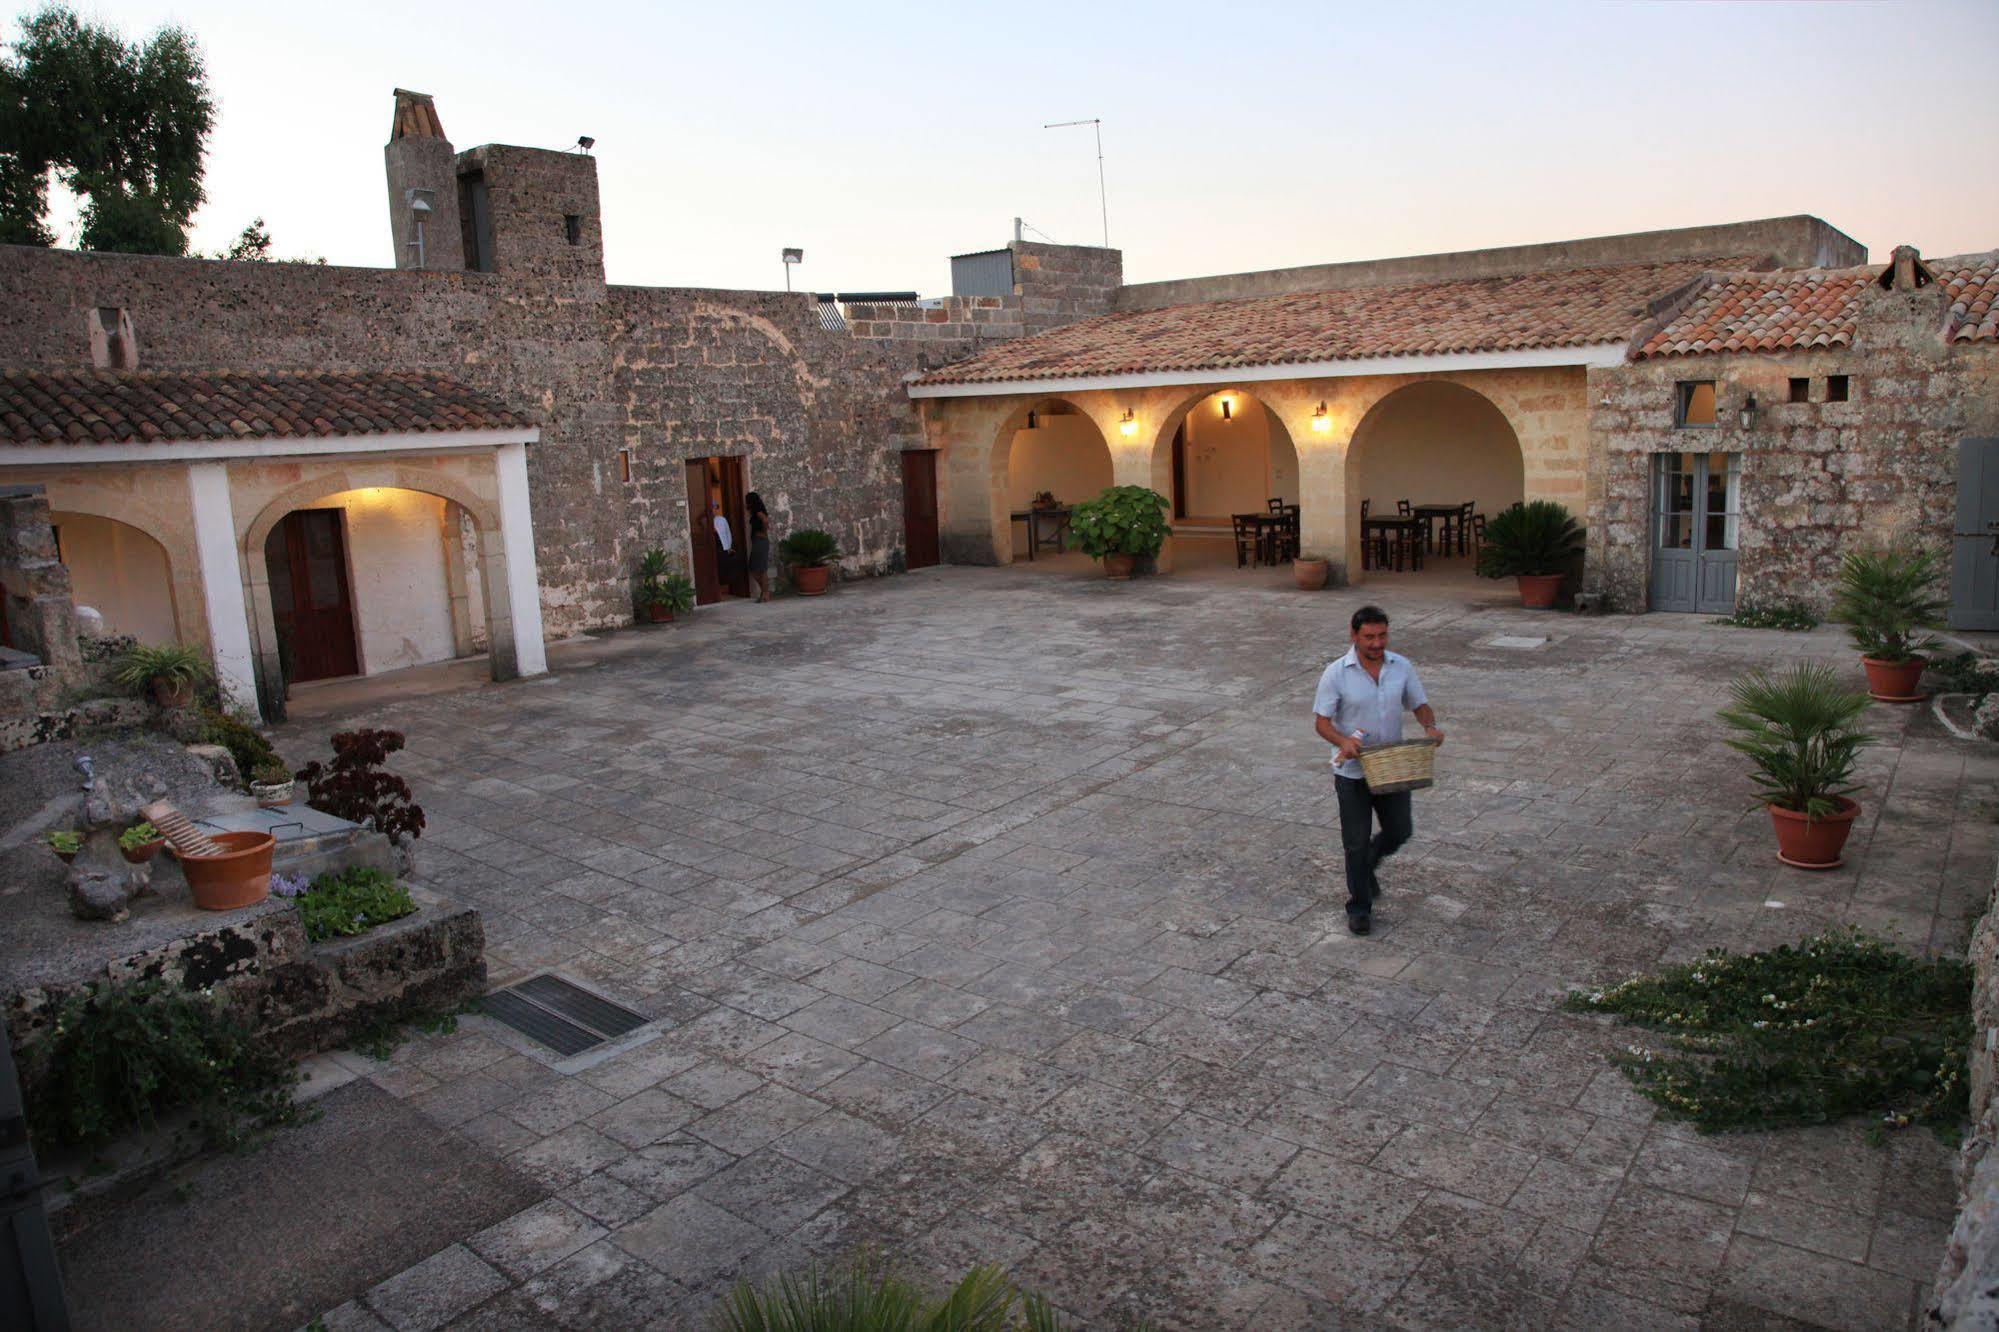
[[1359, 924]]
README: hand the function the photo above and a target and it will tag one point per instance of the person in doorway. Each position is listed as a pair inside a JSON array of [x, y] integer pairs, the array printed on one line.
[[1360, 702], [759, 544], [725, 544]]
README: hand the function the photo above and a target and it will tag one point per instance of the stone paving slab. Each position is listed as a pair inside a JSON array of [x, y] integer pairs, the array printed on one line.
[[994, 916]]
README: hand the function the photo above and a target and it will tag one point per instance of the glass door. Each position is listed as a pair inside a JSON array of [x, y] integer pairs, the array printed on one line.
[[1696, 516]]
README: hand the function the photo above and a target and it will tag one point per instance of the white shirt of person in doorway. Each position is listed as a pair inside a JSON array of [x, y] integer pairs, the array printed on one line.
[[722, 530]]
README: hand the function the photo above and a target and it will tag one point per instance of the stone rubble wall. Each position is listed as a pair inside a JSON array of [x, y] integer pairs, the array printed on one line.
[[1967, 1286], [1818, 478]]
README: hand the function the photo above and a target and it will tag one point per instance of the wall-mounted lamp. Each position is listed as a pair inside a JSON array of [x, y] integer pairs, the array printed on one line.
[[1228, 409], [1033, 422], [1747, 416], [1128, 423], [1321, 422]]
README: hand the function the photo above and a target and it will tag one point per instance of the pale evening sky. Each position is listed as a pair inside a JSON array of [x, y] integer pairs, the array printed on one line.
[[883, 138]]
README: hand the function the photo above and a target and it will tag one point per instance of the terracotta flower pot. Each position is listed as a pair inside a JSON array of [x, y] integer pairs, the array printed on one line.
[[659, 613], [139, 855], [810, 579], [1311, 574], [1538, 591], [170, 695], [1813, 844], [67, 857], [1119, 565], [239, 877], [1895, 681]]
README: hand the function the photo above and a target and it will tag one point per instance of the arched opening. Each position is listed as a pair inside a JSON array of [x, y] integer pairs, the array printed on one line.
[[1221, 455], [120, 572], [1434, 446], [370, 580], [1049, 457]]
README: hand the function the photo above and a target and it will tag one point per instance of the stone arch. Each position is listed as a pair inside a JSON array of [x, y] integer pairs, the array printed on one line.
[[433, 481], [177, 545], [122, 570], [1284, 475], [1001, 457], [1432, 440]]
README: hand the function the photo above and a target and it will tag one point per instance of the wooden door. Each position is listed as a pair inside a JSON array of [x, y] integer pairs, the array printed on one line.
[[729, 472], [1180, 471], [1974, 557], [919, 508], [701, 535], [306, 557]]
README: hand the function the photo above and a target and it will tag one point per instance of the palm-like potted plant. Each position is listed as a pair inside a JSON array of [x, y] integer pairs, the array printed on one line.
[[1536, 545], [663, 593], [1888, 599], [1801, 732], [1120, 527], [810, 554], [171, 670]]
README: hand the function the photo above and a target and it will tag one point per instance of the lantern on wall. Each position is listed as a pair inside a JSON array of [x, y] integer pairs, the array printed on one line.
[[1321, 421], [1128, 423], [1747, 416]]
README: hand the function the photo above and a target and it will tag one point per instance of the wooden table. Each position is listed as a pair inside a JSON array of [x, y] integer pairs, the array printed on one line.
[[1267, 525], [1409, 527], [1054, 521], [1427, 514]]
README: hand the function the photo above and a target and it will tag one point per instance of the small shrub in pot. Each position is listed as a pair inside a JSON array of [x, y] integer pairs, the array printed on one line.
[[1536, 544], [1801, 732], [1120, 527], [809, 553], [1889, 599]]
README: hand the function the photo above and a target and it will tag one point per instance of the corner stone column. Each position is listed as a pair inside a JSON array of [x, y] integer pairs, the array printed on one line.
[[222, 585]]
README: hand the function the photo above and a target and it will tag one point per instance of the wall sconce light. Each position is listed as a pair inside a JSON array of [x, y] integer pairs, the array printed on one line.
[[1033, 423], [1228, 409], [1747, 416], [1320, 421], [1128, 423]]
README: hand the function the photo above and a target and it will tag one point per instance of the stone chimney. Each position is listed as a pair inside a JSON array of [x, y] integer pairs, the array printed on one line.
[[1906, 271], [423, 187]]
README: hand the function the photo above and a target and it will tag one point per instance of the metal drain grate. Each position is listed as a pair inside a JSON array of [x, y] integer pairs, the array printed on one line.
[[560, 1014]]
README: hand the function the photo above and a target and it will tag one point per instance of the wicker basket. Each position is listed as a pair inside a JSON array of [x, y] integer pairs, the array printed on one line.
[[1408, 766]]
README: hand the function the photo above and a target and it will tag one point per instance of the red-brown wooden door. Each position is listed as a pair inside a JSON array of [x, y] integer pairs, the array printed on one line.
[[729, 472], [919, 507], [307, 559], [701, 535]]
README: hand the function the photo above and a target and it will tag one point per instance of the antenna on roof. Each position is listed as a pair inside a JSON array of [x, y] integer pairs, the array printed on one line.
[[1103, 201]]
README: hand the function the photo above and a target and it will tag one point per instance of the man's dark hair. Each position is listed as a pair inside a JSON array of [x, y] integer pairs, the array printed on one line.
[[1369, 615]]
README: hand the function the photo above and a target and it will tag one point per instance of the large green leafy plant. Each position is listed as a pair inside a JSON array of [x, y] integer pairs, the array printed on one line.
[[1533, 539], [1124, 520], [1888, 598], [808, 548], [1801, 731], [659, 586]]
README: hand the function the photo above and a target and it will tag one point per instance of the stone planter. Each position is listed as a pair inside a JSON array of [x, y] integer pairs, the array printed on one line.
[[272, 794], [810, 580], [1538, 591], [1119, 565], [1895, 681], [1814, 844], [1311, 575]]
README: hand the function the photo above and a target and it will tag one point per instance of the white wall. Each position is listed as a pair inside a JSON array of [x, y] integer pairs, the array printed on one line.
[[396, 543], [1236, 465], [1064, 454], [120, 571], [1435, 444]]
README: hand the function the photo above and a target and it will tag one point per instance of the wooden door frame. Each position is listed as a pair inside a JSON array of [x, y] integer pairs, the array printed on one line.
[[292, 528], [936, 544], [700, 534], [730, 470]]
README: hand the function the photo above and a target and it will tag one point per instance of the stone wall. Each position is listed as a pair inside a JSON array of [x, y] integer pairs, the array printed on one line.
[[34, 586], [951, 319], [1059, 284], [1818, 478], [1967, 1288]]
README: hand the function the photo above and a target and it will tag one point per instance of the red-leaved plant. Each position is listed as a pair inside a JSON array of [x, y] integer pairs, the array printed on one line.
[[355, 786]]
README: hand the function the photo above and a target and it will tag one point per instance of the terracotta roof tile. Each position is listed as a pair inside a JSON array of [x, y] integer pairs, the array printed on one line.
[[1765, 312], [1971, 283], [53, 407], [1552, 308]]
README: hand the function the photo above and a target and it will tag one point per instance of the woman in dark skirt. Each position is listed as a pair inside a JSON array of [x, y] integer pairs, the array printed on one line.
[[759, 544]]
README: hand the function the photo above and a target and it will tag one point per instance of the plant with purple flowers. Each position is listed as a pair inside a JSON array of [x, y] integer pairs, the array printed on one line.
[[288, 885]]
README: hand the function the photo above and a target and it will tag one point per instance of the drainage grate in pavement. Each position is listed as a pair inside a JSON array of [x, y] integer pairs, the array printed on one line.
[[1517, 642], [560, 1014]]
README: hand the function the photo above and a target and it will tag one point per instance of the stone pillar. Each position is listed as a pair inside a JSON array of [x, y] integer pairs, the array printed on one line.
[[451, 538], [222, 584], [40, 608], [513, 606]]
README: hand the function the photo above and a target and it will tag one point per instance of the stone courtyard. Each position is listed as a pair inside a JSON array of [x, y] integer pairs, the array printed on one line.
[[990, 915]]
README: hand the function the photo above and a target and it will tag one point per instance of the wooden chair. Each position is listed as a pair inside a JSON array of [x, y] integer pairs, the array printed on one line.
[[1463, 526], [1293, 523], [1373, 543], [1402, 508], [1248, 539], [1477, 530]]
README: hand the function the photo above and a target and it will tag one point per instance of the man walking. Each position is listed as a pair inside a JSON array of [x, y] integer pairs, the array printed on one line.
[[1360, 702]]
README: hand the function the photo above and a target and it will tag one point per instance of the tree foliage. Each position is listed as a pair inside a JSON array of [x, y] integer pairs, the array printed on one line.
[[122, 124]]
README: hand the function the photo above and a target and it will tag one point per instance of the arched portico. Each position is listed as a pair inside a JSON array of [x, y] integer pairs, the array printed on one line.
[[1432, 441], [1050, 446]]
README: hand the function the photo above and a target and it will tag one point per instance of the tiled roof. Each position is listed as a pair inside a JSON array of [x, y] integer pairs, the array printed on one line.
[[1552, 308], [1766, 312], [108, 406], [1971, 283]]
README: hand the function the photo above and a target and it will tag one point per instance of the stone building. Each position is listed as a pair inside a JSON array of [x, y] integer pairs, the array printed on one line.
[[156, 402]]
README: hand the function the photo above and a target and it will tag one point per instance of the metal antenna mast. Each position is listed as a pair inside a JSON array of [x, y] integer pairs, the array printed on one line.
[[1103, 201]]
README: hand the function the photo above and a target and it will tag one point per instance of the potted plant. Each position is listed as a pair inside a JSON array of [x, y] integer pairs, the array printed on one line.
[[1536, 545], [140, 843], [663, 593], [1045, 499], [1311, 571], [1119, 527], [810, 553], [271, 783], [64, 843], [1887, 599], [1800, 730], [172, 671]]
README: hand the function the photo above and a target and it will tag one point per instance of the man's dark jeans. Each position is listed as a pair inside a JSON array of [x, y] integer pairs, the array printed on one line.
[[1365, 847]]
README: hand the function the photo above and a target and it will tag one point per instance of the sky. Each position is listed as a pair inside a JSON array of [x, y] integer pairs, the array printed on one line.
[[883, 138]]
